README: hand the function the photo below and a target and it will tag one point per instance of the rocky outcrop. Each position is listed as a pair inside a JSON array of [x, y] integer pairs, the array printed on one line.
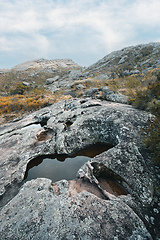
[[47, 211], [51, 80], [106, 94], [127, 61], [128, 73], [126, 161], [82, 208], [67, 81]]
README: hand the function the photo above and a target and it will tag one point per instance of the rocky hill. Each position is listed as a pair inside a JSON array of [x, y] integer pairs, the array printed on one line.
[[128, 61], [116, 77], [135, 60], [45, 65], [34, 73], [64, 74]]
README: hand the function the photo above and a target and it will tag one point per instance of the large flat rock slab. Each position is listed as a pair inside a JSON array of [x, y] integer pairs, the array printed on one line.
[[45, 211], [83, 208], [64, 128]]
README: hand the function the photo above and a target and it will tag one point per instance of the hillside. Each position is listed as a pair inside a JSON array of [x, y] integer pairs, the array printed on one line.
[[38, 83], [35, 72], [129, 61]]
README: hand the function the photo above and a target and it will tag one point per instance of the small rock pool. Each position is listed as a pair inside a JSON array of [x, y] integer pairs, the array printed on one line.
[[58, 167]]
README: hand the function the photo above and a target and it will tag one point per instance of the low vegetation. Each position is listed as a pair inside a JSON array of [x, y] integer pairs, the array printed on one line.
[[143, 90], [24, 92], [149, 100], [16, 106]]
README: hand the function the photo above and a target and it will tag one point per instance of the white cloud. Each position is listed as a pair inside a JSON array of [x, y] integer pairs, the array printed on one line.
[[147, 12], [83, 29]]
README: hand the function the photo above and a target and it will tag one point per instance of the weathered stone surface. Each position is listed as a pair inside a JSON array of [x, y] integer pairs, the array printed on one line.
[[128, 73], [80, 86], [114, 97], [90, 92], [75, 74], [60, 210], [51, 80], [128, 163], [46, 211], [92, 121], [106, 94]]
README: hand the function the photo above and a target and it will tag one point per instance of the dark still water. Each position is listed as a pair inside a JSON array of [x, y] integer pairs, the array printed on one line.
[[58, 167], [57, 170]]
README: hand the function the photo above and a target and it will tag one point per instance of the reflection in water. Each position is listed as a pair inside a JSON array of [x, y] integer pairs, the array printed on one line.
[[57, 170], [59, 167]]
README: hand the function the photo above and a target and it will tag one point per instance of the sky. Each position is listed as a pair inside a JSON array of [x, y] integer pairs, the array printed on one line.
[[81, 30]]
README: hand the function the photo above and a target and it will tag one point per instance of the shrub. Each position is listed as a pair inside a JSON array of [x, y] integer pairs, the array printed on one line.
[[149, 100], [146, 51], [152, 139], [19, 89]]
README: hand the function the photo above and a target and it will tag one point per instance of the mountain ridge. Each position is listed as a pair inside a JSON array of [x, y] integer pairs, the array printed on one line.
[[132, 57], [152, 48]]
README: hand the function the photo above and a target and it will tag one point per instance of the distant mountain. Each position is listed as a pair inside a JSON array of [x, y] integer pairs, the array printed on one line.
[[45, 64]]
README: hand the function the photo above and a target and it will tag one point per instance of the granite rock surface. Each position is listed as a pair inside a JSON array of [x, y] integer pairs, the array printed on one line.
[[83, 208]]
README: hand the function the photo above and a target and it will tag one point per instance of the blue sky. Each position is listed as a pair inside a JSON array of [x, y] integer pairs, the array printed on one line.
[[83, 30]]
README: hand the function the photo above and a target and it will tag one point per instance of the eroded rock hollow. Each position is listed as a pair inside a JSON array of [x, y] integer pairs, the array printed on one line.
[[87, 207]]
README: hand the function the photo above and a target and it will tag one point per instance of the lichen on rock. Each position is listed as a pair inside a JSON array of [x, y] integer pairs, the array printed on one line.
[[82, 208]]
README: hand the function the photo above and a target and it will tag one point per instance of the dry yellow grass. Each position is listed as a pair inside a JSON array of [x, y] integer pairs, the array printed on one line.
[[15, 106]]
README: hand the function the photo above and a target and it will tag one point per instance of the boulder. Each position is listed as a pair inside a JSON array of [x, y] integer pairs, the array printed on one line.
[[51, 80], [134, 72], [102, 77], [43, 210], [75, 74], [80, 86], [26, 84], [114, 96], [91, 92], [106, 94], [128, 73]]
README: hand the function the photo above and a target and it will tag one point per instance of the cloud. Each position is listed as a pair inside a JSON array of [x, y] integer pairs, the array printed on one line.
[[84, 30], [147, 12]]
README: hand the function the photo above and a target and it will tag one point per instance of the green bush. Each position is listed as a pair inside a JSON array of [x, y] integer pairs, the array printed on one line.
[[149, 99], [19, 89]]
